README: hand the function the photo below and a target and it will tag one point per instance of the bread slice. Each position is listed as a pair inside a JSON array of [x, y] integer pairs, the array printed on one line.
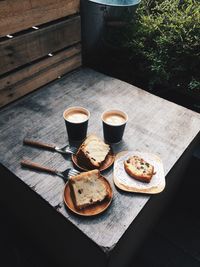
[[93, 152], [139, 169], [88, 188]]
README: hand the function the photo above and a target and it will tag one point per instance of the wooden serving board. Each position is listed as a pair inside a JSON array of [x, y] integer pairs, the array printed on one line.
[[123, 181]]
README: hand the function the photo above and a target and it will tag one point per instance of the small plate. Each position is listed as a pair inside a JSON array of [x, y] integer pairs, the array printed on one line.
[[88, 211], [125, 182], [107, 163]]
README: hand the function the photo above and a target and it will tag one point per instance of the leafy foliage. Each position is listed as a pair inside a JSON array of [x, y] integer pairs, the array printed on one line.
[[164, 37]]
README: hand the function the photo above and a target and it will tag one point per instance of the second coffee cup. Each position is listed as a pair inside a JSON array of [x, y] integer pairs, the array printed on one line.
[[114, 122]]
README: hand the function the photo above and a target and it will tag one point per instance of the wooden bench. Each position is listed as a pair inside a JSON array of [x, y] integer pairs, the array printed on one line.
[[39, 42], [112, 238]]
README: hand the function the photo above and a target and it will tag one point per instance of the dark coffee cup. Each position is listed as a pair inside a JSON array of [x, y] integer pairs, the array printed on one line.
[[76, 121], [114, 122]]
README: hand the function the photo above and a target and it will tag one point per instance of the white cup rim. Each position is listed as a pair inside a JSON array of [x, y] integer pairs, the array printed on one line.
[[121, 112], [76, 107]]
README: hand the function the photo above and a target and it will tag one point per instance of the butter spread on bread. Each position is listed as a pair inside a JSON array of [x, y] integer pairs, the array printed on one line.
[[88, 188], [93, 151], [139, 169]]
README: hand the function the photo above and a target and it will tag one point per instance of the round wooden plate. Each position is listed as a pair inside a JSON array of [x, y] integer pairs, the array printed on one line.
[[107, 163], [88, 211]]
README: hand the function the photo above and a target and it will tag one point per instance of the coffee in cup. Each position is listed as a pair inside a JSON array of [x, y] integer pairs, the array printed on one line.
[[76, 121], [114, 122], [76, 116], [114, 119]]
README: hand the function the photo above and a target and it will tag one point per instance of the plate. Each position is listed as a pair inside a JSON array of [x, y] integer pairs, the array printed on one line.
[[91, 210], [107, 163], [123, 181]]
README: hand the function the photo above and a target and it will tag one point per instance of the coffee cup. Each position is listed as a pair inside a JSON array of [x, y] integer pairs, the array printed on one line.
[[76, 121], [114, 122]]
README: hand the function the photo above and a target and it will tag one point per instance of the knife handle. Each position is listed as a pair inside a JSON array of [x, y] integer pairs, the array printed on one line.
[[32, 165], [38, 144]]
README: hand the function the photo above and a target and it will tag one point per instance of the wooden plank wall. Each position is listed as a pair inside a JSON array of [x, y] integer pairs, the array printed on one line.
[[31, 57]]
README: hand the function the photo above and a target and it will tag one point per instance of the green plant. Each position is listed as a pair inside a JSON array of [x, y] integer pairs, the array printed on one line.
[[164, 38], [194, 84]]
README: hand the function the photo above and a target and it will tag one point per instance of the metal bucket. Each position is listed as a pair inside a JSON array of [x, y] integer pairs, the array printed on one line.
[[95, 14], [118, 3]]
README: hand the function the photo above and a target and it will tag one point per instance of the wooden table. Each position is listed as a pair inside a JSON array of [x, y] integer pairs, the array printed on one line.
[[112, 238]]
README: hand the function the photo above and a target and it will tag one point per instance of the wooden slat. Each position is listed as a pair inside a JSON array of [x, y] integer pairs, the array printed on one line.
[[22, 14], [41, 78], [33, 45], [13, 78]]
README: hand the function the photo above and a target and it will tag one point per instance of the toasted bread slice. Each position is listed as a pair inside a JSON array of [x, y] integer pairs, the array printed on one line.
[[139, 169], [93, 152], [88, 188]]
